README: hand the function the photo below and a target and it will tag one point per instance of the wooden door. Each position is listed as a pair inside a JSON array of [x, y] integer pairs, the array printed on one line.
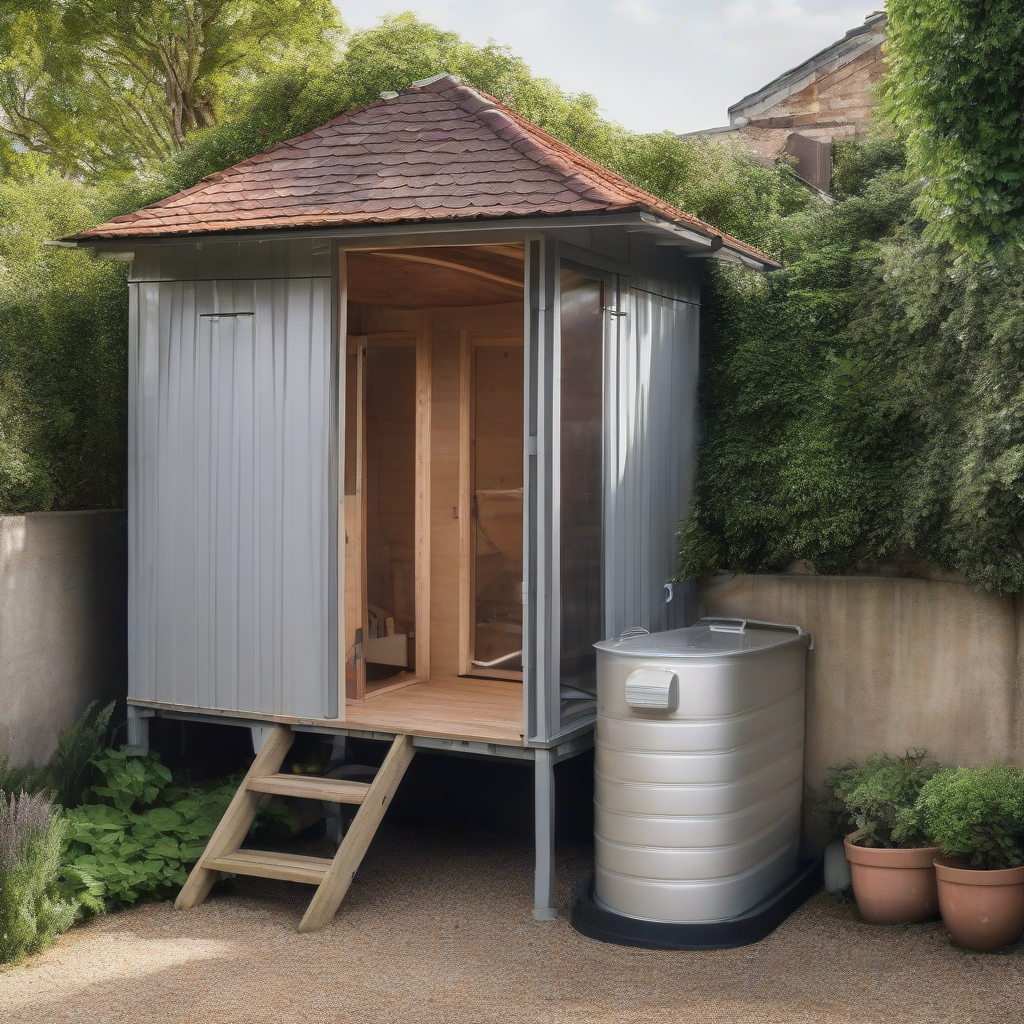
[[355, 517]]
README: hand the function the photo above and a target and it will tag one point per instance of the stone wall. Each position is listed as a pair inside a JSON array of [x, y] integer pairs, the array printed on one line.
[[63, 624], [898, 663]]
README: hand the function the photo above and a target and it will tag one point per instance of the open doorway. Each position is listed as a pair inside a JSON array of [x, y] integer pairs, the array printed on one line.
[[433, 495]]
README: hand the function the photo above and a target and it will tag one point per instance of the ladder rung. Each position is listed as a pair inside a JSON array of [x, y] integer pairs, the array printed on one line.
[[310, 787], [266, 864]]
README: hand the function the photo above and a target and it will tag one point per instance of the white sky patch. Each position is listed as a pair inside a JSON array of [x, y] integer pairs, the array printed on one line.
[[639, 11], [654, 65]]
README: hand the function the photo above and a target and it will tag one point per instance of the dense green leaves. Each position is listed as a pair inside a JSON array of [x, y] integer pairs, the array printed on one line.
[[865, 402], [101, 85], [69, 771], [63, 354], [878, 797], [137, 834], [956, 89], [976, 815]]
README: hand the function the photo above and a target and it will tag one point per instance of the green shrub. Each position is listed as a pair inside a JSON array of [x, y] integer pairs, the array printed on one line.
[[879, 796], [38, 898], [976, 815], [864, 402], [63, 354], [954, 85], [138, 834]]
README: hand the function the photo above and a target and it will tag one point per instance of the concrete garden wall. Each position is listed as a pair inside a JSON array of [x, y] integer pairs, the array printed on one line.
[[897, 663], [63, 625]]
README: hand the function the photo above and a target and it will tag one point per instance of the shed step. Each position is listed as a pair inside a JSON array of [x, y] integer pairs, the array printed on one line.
[[265, 864], [331, 877], [310, 787]]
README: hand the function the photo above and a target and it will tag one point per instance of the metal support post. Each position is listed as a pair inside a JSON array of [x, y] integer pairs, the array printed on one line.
[[138, 726], [544, 836]]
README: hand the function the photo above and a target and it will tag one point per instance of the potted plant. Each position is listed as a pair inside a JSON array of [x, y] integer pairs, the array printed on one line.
[[891, 861], [976, 817]]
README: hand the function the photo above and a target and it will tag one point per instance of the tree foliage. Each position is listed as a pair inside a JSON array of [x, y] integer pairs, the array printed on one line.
[[955, 88], [100, 85]]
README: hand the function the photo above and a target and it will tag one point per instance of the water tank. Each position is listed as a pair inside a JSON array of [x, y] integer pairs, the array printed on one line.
[[699, 769]]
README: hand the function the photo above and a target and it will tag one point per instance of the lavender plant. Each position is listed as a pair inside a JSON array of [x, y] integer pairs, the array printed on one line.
[[38, 898]]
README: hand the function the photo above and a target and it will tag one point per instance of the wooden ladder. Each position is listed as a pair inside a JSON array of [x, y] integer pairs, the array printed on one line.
[[332, 877]]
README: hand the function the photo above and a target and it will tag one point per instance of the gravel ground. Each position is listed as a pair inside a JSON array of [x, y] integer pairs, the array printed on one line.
[[437, 927]]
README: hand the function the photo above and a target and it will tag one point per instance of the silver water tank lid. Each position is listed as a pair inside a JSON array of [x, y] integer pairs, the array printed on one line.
[[708, 638]]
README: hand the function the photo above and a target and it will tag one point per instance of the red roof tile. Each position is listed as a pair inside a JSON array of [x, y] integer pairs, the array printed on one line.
[[439, 151]]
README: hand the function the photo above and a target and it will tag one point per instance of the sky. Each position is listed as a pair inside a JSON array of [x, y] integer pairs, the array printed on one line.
[[654, 65]]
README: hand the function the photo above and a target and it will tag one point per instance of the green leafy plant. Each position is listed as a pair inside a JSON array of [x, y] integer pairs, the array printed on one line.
[[879, 798], [976, 815], [138, 834], [39, 898], [955, 78]]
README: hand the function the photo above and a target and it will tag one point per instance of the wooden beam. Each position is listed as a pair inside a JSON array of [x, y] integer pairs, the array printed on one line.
[[423, 510], [288, 867], [357, 840], [239, 816], [451, 264], [311, 787], [341, 355], [466, 616]]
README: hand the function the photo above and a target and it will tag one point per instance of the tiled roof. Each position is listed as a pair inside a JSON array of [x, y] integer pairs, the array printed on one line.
[[437, 151]]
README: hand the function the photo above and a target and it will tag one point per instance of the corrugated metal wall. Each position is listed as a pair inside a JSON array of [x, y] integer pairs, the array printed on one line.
[[231, 538], [651, 384]]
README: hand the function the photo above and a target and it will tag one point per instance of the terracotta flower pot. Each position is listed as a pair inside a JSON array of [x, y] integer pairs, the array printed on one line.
[[983, 910], [893, 886]]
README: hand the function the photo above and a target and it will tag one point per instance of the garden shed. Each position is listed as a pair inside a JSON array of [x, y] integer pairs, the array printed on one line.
[[411, 424]]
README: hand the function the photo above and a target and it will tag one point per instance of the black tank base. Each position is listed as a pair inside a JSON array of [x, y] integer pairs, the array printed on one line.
[[596, 922]]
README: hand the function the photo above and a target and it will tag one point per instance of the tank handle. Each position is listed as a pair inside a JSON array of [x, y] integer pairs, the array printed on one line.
[[628, 634], [720, 625], [726, 625]]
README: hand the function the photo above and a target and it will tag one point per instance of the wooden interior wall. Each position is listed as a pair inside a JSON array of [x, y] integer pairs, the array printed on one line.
[[446, 325], [391, 481], [497, 457]]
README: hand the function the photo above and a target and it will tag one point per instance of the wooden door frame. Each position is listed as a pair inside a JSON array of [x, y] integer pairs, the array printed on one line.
[[353, 597]]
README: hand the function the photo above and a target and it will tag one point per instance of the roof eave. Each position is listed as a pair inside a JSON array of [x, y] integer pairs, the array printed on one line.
[[691, 240]]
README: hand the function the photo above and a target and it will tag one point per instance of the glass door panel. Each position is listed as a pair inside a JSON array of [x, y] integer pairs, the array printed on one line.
[[581, 436]]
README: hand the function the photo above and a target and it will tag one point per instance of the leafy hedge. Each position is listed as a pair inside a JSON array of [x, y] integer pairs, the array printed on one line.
[[63, 353], [868, 400], [956, 77]]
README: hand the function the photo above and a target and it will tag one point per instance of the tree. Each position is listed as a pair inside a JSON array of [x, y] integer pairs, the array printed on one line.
[[955, 87], [100, 85]]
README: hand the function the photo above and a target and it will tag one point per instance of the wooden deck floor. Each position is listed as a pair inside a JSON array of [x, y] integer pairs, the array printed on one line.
[[487, 710], [449, 707]]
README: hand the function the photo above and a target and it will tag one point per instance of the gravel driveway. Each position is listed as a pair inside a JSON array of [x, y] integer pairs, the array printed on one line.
[[437, 928]]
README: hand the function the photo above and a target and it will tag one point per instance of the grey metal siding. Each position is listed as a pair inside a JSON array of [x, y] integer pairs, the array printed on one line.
[[231, 542], [652, 401]]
